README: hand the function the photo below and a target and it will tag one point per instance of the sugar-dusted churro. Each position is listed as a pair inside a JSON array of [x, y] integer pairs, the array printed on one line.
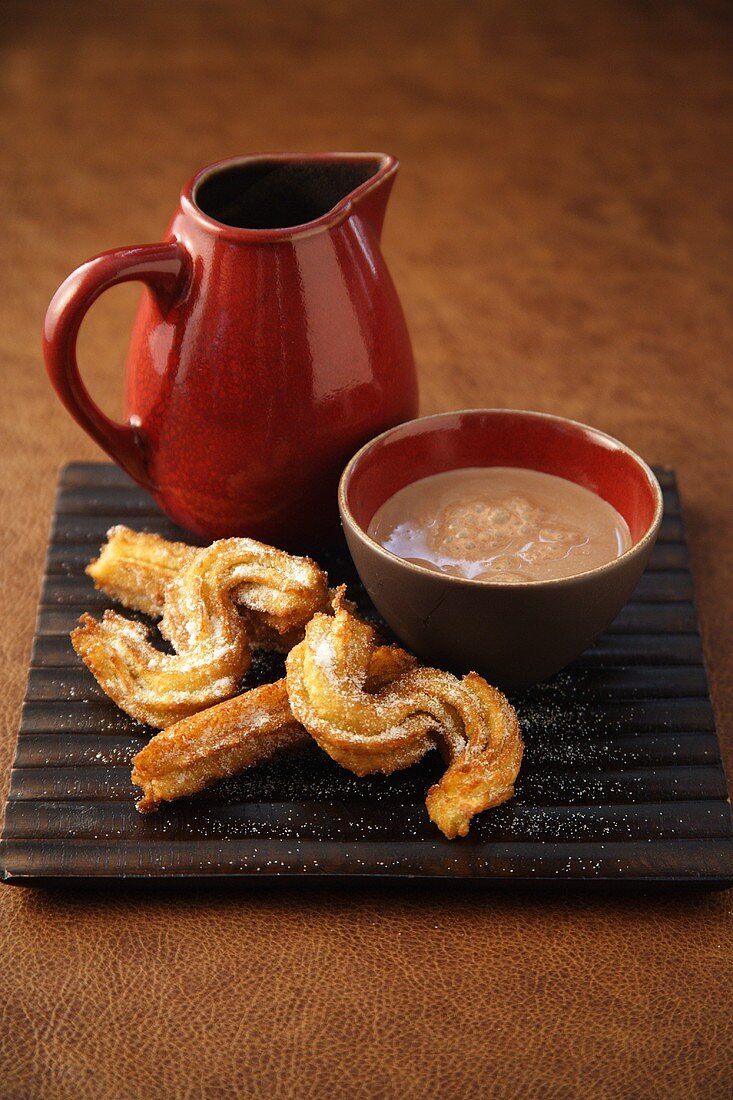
[[204, 625], [134, 568], [471, 722]]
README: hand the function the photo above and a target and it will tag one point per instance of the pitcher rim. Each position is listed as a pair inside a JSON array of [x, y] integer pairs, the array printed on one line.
[[388, 165]]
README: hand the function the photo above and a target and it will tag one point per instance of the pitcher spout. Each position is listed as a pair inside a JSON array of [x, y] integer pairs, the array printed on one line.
[[370, 199], [276, 196]]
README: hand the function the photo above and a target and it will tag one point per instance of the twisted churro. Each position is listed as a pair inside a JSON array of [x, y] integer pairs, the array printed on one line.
[[472, 723], [225, 739], [203, 625], [135, 568]]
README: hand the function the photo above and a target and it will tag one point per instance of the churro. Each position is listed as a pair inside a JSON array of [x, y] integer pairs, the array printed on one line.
[[471, 722], [203, 624]]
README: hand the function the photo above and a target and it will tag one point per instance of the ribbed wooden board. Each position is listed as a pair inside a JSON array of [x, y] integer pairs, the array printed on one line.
[[622, 778]]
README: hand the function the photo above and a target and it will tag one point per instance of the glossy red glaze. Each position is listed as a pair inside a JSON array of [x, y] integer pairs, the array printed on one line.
[[261, 358], [504, 437]]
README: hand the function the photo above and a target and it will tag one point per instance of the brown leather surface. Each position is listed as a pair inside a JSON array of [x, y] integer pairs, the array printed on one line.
[[561, 238]]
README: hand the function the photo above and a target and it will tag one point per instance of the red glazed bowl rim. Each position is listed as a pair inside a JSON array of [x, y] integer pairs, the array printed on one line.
[[388, 165], [637, 547]]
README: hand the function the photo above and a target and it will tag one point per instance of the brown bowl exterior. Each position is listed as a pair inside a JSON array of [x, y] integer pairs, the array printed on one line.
[[513, 634]]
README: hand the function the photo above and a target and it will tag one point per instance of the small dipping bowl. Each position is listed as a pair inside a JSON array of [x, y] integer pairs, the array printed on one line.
[[514, 634]]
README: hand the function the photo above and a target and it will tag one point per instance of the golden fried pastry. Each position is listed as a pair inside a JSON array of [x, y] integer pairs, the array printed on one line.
[[237, 734], [205, 628], [135, 567], [472, 723], [215, 743]]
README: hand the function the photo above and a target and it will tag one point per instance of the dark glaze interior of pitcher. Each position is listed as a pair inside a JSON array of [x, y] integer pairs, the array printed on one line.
[[276, 194]]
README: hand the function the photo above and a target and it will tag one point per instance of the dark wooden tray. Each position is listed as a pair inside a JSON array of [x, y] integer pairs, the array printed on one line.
[[622, 779]]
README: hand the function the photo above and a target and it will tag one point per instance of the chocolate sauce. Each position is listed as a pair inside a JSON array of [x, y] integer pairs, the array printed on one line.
[[500, 523]]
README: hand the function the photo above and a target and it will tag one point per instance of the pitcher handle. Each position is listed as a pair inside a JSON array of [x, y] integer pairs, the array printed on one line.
[[164, 269]]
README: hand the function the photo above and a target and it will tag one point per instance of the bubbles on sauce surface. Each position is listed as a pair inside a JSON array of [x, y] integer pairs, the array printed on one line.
[[500, 524]]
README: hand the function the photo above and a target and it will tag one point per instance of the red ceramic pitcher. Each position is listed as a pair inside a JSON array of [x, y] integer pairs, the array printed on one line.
[[268, 346]]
